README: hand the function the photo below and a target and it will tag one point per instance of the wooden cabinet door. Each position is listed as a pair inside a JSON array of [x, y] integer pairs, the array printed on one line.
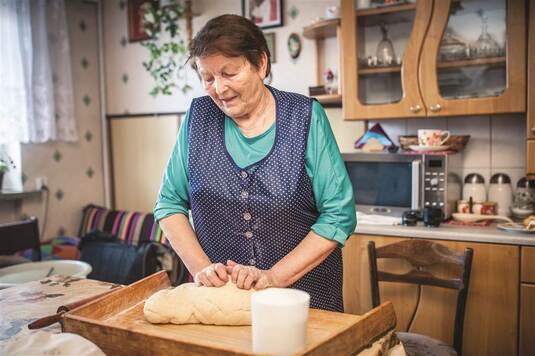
[[527, 319], [490, 326], [382, 90], [530, 164], [531, 74], [482, 80]]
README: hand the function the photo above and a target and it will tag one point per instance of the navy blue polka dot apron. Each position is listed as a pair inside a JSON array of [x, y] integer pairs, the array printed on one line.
[[258, 214]]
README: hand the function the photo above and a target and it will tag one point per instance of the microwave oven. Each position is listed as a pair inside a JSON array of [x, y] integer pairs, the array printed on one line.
[[390, 183]]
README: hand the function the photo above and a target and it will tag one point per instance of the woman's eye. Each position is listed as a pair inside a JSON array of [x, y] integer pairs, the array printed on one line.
[[208, 80], [230, 75]]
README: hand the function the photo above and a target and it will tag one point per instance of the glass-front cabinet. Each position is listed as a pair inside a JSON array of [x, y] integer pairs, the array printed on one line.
[[433, 57]]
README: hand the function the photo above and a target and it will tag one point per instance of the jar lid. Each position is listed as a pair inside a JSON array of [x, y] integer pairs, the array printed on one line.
[[526, 183], [474, 178], [500, 178]]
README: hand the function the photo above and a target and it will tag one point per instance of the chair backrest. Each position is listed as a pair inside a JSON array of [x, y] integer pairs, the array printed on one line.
[[422, 254], [19, 236]]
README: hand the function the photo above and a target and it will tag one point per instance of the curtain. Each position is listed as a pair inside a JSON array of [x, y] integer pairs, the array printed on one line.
[[36, 94]]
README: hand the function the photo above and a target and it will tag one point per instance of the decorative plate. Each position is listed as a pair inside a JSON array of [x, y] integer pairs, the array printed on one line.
[[294, 45], [419, 148], [515, 227]]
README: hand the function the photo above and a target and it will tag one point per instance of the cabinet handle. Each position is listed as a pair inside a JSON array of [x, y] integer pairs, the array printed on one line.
[[435, 108], [415, 108]]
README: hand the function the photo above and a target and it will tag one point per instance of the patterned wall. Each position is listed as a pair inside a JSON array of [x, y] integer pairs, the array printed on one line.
[[73, 171]]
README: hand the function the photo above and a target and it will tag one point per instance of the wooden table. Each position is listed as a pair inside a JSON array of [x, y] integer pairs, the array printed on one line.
[[23, 304]]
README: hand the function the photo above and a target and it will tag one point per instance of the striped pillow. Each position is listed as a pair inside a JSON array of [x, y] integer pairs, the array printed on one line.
[[131, 227]]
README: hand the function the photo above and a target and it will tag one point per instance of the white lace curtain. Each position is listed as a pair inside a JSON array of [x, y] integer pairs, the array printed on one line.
[[36, 96]]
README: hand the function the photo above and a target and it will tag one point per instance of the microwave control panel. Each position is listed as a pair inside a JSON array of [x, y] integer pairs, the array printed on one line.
[[435, 181]]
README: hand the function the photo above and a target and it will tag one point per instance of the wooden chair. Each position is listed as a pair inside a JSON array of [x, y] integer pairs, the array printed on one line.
[[19, 236], [422, 254]]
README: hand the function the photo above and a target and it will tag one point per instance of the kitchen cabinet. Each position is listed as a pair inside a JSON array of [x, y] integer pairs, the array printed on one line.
[[527, 324], [433, 58], [491, 320], [530, 164]]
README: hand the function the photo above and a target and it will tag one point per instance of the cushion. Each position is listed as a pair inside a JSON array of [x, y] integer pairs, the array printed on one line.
[[421, 345]]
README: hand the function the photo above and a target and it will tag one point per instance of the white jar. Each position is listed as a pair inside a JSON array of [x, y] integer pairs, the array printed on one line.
[[501, 192], [474, 187]]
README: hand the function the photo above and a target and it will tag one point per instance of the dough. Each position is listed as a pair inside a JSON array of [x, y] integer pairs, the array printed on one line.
[[188, 304]]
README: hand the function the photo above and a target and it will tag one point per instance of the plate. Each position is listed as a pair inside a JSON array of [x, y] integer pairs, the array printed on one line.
[[515, 227], [477, 217], [419, 148], [34, 271]]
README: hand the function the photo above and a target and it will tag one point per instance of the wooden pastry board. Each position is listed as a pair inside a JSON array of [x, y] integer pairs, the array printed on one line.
[[116, 324]]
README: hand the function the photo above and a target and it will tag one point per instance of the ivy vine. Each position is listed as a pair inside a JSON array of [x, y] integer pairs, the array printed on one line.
[[167, 48]]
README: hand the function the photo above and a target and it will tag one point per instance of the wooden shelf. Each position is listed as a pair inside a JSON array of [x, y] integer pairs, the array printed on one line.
[[330, 100], [321, 29], [385, 10], [492, 61], [17, 195]]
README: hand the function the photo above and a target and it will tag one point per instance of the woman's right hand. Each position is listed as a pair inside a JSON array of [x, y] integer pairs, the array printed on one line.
[[214, 275]]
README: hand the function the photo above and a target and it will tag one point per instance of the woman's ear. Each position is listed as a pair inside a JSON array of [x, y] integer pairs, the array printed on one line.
[[263, 65]]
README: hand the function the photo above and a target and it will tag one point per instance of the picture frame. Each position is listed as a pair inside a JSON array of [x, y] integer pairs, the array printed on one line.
[[264, 13], [136, 23], [270, 39]]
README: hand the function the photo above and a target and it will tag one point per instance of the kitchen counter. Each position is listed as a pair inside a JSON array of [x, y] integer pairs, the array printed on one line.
[[488, 234]]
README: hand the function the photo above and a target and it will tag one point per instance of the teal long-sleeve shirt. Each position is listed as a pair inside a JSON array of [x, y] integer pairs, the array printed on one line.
[[332, 189]]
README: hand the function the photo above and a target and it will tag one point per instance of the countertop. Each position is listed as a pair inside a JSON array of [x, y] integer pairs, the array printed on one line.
[[488, 234]]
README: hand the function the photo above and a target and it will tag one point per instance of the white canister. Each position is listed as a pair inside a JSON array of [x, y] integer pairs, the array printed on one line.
[[474, 187], [279, 317], [501, 192]]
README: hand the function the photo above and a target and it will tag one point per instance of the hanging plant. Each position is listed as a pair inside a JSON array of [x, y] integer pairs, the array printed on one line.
[[167, 48]]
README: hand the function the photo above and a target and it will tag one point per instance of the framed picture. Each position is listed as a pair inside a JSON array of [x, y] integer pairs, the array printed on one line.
[[136, 22], [270, 39], [264, 13]]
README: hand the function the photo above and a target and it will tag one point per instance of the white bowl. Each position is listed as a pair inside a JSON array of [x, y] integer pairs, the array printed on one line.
[[34, 271]]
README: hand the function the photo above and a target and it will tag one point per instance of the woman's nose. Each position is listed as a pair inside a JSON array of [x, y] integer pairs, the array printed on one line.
[[220, 86]]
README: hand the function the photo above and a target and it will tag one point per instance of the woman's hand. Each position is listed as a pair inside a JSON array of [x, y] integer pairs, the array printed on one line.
[[246, 277], [214, 275]]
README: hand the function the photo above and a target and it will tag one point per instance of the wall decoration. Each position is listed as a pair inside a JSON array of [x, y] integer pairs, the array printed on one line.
[[270, 39], [294, 45], [136, 19], [264, 13], [294, 11]]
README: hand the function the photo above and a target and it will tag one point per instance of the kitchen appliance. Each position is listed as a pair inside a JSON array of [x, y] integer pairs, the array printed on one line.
[[474, 187], [432, 216], [389, 184], [501, 192]]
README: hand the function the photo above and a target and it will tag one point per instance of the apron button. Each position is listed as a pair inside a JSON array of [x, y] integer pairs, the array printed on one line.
[[244, 194], [252, 262], [244, 174], [248, 234], [247, 216]]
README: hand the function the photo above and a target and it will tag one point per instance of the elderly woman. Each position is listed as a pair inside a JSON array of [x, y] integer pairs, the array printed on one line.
[[260, 170]]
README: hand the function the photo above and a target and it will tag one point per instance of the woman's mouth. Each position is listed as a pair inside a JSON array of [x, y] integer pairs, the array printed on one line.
[[227, 101]]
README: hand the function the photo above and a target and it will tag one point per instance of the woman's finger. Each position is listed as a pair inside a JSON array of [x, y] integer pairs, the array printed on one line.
[[221, 271], [242, 275], [203, 280], [214, 278], [249, 280], [235, 271]]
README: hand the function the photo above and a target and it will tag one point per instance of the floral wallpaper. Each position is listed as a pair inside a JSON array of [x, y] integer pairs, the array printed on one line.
[[73, 171]]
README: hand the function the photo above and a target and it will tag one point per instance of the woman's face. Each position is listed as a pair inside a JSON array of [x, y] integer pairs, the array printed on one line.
[[233, 83]]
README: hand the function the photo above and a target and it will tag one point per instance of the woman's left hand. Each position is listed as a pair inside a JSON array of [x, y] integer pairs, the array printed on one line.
[[246, 277]]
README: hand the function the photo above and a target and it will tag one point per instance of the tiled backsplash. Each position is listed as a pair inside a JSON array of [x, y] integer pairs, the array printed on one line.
[[497, 143]]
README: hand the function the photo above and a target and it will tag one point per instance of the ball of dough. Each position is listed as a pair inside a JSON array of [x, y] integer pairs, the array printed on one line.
[[188, 304]]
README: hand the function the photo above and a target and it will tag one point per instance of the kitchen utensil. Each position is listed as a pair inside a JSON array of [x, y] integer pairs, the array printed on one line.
[[51, 319], [385, 50], [419, 148], [515, 227], [478, 217], [432, 216], [486, 45], [116, 324], [501, 192], [410, 217], [474, 186], [451, 47], [524, 199], [432, 137], [279, 320]]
